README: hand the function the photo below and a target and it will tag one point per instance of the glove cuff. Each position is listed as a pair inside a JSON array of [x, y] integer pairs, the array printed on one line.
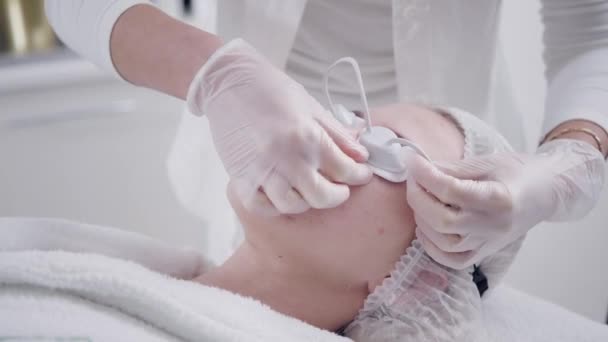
[[579, 171], [585, 152], [195, 98]]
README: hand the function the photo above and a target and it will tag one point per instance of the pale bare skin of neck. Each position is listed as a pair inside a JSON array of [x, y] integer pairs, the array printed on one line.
[[272, 280]]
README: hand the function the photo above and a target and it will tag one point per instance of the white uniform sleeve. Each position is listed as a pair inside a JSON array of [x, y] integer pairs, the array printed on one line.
[[85, 26], [576, 55]]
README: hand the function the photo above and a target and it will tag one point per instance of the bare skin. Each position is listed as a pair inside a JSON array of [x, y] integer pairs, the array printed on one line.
[[154, 50], [320, 266]]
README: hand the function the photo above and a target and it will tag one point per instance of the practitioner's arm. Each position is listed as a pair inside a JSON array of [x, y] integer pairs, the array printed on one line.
[[134, 40], [244, 96], [144, 37]]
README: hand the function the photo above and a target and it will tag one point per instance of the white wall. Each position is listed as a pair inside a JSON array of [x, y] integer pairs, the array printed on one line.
[[564, 263], [93, 152]]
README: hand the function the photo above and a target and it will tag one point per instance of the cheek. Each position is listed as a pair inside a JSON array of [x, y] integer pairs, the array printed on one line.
[[375, 219], [380, 227], [381, 208], [361, 239]]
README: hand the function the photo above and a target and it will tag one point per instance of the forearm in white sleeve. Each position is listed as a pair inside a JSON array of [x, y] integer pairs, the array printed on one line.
[[576, 56], [86, 26]]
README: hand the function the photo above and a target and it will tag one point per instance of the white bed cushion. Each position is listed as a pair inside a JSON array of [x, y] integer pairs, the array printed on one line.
[[61, 294], [512, 315]]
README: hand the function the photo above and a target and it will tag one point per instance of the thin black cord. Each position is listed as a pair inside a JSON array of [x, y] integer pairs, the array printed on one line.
[[187, 7]]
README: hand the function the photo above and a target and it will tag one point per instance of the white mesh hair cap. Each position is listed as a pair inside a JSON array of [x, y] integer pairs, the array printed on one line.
[[421, 301], [424, 301]]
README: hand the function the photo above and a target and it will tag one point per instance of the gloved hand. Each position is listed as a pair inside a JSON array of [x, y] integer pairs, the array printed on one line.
[[271, 135], [470, 209]]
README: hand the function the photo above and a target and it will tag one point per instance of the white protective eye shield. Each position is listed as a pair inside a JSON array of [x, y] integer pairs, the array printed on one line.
[[386, 150]]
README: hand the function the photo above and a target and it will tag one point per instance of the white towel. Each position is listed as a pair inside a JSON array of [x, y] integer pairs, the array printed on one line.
[[180, 308], [46, 291], [50, 294], [47, 234], [513, 316]]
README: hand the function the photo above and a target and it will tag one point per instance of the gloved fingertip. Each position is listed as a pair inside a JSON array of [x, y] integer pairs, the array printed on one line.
[[353, 149], [361, 175], [297, 205], [345, 138], [361, 151], [338, 195], [261, 206]]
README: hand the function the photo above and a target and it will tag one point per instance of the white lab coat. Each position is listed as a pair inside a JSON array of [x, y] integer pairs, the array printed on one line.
[[446, 52]]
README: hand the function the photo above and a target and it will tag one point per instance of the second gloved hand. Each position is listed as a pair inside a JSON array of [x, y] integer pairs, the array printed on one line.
[[282, 150], [470, 209]]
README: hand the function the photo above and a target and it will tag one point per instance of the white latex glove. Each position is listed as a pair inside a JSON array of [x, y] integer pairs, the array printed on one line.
[[282, 150], [470, 209]]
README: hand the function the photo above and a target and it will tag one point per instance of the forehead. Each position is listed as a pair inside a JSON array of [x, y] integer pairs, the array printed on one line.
[[435, 133]]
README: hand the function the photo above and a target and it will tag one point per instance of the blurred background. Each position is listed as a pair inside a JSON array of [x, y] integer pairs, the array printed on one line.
[[77, 143]]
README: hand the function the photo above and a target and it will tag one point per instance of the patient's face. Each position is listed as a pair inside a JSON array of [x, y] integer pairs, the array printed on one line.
[[359, 241]]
